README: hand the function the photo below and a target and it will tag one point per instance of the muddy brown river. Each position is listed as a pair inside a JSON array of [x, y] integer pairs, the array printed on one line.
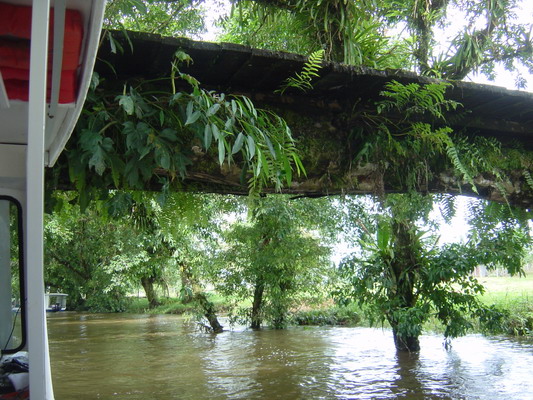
[[147, 357]]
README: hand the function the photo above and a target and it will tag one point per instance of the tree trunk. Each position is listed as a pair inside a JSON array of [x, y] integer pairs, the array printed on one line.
[[187, 284], [193, 292], [256, 306], [405, 266], [148, 285], [208, 309], [409, 343], [281, 306]]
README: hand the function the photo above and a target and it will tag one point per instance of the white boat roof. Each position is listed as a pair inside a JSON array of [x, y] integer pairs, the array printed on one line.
[[14, 113]]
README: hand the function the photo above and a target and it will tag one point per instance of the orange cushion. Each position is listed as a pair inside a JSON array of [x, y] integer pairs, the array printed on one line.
[[15, 32]]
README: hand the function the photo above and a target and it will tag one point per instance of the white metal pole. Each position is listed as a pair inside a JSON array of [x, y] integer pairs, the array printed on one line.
[[39, 363], [5, 276]]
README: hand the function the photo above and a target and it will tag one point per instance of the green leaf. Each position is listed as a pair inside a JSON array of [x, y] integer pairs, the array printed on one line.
[[251, 147], [237, 146], [126, 102], [208, 136], [230, 122], [270, 147], [221, 151], [89, 140], [131, 173], [98, 161], [212, 110], [191, 119], [174, 99], [163, 158], [117, 169], [112, 44], [107, 144], [287, 170], [190, 109], [216, 132], [181, 56], [143, 152], [136, 135], [260, 157], [383, 236], [95, 80], [169, 134]]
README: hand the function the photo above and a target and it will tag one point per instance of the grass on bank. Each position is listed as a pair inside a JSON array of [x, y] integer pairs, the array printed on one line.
[[513, 296]]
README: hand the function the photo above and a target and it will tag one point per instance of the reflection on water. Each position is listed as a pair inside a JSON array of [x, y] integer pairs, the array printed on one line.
[[109, 356]]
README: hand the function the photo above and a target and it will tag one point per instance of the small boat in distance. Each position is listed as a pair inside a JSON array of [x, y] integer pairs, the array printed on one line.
[[55, 302]]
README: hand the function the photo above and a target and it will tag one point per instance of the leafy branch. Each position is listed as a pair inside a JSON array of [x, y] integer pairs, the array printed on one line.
[[302, 80], [148, 134]]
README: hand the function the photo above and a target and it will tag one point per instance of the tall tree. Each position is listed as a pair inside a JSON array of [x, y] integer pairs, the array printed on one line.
[[404, 276], [273, 259]]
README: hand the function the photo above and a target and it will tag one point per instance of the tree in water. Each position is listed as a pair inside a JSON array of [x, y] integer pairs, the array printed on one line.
[[403, 276], [272, 259]]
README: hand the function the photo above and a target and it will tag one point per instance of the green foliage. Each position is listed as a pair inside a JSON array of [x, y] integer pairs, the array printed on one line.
[[405, 279], [146, 135], [401, 273], [486, 34], [302, 80], [409, 133], [414, 100], [348, 31], [265, 26], [502, 235], [127, 242], [274, 259], [169, 18], [80, 253]]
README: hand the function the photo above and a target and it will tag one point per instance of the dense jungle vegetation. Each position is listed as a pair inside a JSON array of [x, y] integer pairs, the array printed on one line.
[[269, 256]]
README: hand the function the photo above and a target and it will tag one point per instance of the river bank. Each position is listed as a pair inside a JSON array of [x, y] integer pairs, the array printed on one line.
[[510, 297]]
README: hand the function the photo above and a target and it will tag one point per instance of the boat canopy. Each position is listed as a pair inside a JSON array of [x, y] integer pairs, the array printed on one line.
[[72, 44]]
